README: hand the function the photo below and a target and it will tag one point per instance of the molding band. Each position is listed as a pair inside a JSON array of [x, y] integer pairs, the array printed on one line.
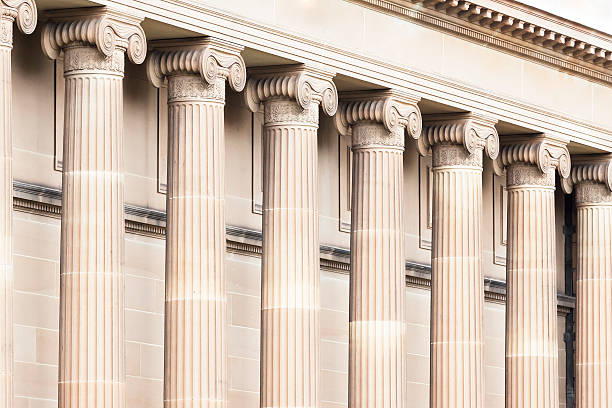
[[45, 201]]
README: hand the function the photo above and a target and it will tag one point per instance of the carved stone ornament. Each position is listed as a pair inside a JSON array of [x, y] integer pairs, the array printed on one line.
[[545, 152], [473, 131], [587, 169], [208, 57], [305, 84], [108, 29], [393, 109], [22, 11]]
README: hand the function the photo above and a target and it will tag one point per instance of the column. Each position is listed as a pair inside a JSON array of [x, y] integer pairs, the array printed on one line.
[[195, 352], [592, 176], [290, 265], [532, 355], [24, 12], [457, 292], [91, 344], [377, 123]]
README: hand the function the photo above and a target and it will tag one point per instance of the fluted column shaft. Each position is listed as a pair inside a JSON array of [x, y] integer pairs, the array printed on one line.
[[195, 341], [91, 360], [457, 293], [594, 296], [6, 214], [290, 265], [531, 309], [377, 281]]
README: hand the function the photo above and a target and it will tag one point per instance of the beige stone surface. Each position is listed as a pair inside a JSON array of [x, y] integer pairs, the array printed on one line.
[[195, 341], [412, 210], [243, 273], [92, 245], [532, 287], [448, 69], [9, 13], [36, 308], [594, 282], [239, 164], [494, 356], [92, 348], [290, 300], [532, 351], [140, 141], [457, 351], [377, 122], [33, 97]]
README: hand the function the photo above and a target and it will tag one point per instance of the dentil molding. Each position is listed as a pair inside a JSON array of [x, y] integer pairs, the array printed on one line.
[[393, 109], [481, 24], [208, 57], [109, 30]]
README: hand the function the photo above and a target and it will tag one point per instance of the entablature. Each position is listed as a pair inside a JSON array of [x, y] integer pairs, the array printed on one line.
[[274, 44]]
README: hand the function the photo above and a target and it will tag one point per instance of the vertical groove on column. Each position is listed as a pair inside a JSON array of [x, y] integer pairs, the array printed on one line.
[[376, 345], [195, 340], [457, 302], [6, 211], [594, 299], [531, 311], [290, 264], [91, 371]]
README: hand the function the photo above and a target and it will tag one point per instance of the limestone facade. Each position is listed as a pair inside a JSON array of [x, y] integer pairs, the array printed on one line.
[[287, 207]]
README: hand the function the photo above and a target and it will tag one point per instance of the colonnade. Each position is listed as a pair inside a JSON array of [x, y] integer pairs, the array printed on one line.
[[91, 364]]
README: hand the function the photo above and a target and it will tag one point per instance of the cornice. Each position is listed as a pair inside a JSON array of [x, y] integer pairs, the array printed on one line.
[[23, 11], [533, 13], [508, 33], [208, 57], [394, 109], [546, 152], [471, 130], [108, 29], [44, 201], [590, 168], [305, 84]]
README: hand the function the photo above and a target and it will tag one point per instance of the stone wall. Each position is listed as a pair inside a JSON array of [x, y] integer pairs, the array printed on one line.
[[37, 238]]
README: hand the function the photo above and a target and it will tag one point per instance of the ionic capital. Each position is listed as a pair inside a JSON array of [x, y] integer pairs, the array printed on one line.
[[305, 84], [23, 12], [590, 169], [393, 109], [208, 57], [107, 29], [473, 131], [547, 153]]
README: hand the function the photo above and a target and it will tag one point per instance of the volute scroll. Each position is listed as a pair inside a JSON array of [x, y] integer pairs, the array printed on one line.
[[24, 12], [473, 131], [208, 57], [305, 84], [395, 110], [107, 29], [547, 153], [589, 168]]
